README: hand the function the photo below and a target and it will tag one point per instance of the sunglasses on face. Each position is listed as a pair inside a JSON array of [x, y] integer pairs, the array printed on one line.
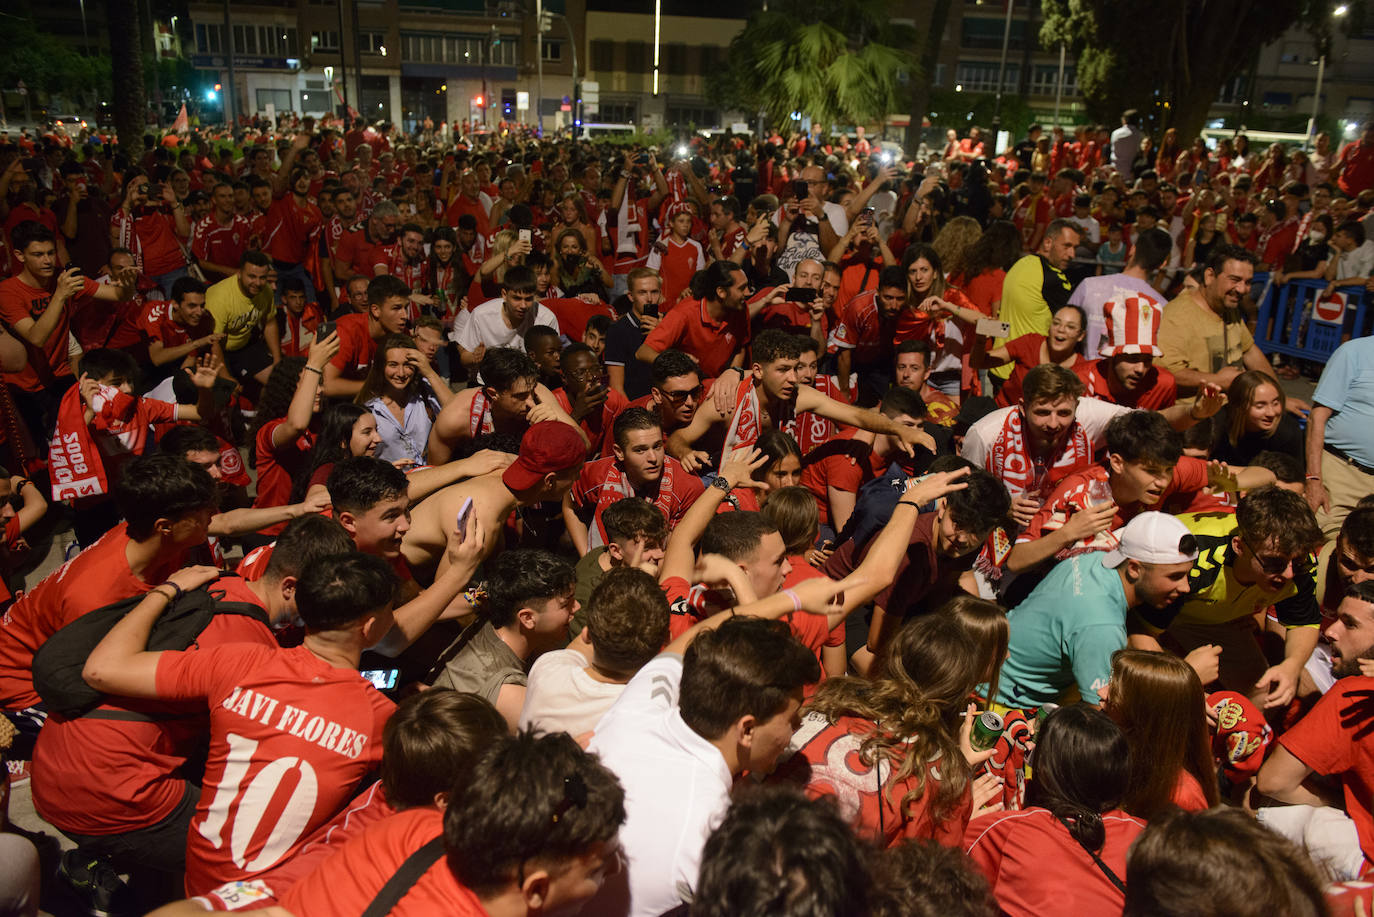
[[681, 395], [1271, 564]]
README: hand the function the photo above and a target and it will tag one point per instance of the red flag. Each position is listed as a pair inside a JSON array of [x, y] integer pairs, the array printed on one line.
[[182, 124]]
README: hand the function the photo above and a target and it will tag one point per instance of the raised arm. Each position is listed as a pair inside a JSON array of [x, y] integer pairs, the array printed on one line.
[[302, 408], [121, 663]]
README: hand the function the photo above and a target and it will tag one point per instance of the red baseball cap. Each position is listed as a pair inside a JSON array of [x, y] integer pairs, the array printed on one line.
[[548, 447]]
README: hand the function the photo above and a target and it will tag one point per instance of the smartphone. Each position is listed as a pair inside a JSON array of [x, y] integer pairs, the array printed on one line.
[[651, 308], [801, 190], [525, 236], [802, 294], [642, 159], [866, 215], [382, 679], [155, 190], [991, 327], [324, 330], [464, 513]]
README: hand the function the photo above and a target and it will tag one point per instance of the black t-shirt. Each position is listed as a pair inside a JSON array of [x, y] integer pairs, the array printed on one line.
[[622, 340], [1287, 439]]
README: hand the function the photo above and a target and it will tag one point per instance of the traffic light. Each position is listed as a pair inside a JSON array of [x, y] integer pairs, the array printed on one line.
[[217, 87], [478, 101], [545, 21]]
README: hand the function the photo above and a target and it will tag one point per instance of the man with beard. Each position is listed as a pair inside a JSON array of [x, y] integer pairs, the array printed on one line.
[[1126, 373], [359, 253], [637, 467], [1203, 337]]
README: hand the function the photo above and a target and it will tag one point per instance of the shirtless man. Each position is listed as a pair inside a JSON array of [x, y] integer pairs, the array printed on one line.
[[551, 456], [510, 400], [770, 396]]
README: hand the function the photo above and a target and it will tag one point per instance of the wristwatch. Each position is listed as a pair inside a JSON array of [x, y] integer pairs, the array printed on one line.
[[720, 483]]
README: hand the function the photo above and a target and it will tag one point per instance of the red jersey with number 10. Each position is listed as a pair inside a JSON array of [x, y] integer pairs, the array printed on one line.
[[291, 736]]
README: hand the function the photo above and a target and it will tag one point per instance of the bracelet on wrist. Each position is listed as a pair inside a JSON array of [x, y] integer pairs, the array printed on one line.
[[176, 592], [318, 372], [796, 602], [1313, 477]]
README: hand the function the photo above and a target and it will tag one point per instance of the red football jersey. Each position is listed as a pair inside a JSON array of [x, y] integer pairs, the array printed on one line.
[[290, 738]]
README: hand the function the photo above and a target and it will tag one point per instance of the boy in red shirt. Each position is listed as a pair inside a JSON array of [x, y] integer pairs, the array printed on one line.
[[508, 853], [292, 731], [37, 305], [299, 318], [676, 256], [114, 781], [167, 504]]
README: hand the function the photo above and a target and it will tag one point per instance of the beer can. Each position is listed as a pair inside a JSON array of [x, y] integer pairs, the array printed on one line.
[[1044, 712], [987, 728]]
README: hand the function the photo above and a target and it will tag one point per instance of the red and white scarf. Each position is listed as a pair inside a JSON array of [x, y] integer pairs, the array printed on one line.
[[479, 421], [74, 462], [618, 486], [1010, 459], [746, 423]]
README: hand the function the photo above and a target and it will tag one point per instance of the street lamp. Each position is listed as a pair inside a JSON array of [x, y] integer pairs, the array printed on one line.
[[1336, 13]]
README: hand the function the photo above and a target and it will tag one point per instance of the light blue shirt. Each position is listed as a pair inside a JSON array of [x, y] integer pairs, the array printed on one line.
[[1347, 387], [1065, 632], [406, 440]]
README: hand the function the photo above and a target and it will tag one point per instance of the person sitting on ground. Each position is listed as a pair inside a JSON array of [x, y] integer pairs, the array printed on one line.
[[636, 532], [404, 394], [524, 614], [510, 400], [587, 398], [627, 624], [1066, 850]]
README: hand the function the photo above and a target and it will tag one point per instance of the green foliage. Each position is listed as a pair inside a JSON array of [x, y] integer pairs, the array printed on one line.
[[1166, 58], [47, 65], [962, 110], [834, 62]]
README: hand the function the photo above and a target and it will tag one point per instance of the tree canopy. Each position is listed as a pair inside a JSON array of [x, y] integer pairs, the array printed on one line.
[[836, 62], [1167, 58]]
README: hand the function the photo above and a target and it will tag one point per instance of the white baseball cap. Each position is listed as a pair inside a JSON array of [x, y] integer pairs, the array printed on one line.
[[1153, 538]]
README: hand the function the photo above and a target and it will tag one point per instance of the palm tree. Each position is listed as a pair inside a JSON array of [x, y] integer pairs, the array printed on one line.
[[126, 66], [837, 62]]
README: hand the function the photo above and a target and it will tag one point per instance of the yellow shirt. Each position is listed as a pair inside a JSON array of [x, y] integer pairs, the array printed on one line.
[[236, 316], [1194, 337], [1031, 292]]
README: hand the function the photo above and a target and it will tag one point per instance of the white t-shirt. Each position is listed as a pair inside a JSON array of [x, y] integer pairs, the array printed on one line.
[[677, 790], [805, 241], [487, 325], [1092, 414], [561, 697], [1357, 263], [1092, 294]]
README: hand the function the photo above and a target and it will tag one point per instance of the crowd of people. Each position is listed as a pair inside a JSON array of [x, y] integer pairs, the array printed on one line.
[[516, 526]]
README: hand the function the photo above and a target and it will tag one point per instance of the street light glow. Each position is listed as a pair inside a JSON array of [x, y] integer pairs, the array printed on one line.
[[1340, 10]]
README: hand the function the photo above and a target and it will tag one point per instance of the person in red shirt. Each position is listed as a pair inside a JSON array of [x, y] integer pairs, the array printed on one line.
[[360, 252], [298, 720], [675, 390], [299, 318], [494, 841], [1054, 855], [889, 751], [727, 232], [153, 232], [1126, 373], [219, 240], [19, 186], [588, 399], [286, 425], [1354, 169], [863, 338], [677, 257], [1278, 236], [635, 467], [114, 782], [465, 200], [714, 329], [911, 369], [167, 505], [178, 328], [835, 471], [293, 224], [769, 397], [1032, 215], [37, 305], [388, 309]]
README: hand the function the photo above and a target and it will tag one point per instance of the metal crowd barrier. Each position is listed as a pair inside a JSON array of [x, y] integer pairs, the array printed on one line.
[[1293, 321]]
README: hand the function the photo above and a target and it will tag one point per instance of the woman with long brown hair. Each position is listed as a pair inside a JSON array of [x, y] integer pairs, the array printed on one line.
[[1255, 420], [893, 749], [1157, 700]]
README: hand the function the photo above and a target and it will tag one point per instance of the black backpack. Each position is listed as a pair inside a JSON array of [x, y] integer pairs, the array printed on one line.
[[58, 663]]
